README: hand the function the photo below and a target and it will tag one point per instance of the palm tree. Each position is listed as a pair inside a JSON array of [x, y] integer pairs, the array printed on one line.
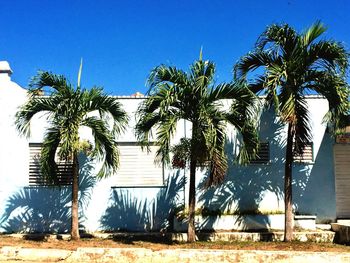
[[293, 65], [67, 109], [175, 95]]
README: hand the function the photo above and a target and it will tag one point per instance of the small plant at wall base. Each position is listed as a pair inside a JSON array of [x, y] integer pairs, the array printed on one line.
[[293, 66], [67, 109]]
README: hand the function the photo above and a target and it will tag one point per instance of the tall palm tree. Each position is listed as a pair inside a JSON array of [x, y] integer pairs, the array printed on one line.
[[294, 65], [67, 109], [175, 95]]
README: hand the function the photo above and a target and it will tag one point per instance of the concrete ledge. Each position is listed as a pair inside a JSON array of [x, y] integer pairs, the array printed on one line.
[[313, 236], [307, 222], [139, 255], [324, 226]]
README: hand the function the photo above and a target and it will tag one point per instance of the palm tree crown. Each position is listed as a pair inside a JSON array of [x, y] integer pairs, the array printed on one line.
[[296, 65], [175, 95], [67, 109]]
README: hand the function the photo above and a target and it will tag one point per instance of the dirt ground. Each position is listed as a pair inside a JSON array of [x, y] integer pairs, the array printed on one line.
[[156, 244]]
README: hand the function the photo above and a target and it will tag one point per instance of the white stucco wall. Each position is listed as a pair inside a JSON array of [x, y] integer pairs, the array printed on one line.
[[13, 150]]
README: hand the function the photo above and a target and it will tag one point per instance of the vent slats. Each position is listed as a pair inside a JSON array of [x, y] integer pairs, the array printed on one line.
[[306, 156], [64, 173], [263, 156], [137, 168]]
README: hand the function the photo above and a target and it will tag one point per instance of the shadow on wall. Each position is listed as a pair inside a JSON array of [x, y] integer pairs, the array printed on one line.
[[46, 209], [245, 186], [127, 213], [315, 184]]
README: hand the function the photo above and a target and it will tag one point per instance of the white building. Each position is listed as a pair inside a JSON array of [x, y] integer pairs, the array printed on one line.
[[142, 195]]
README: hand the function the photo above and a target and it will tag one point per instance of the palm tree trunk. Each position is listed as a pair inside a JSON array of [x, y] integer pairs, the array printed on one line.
[[288, 200], [75, 188], [191, 233]]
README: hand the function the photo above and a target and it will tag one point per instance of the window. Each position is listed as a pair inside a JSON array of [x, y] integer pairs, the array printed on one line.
[[137, 167], [263, 156], [306, 156], [64, 174]]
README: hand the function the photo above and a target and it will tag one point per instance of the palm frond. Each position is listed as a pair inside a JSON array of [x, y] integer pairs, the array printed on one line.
[[258, 86], [328, 55], [96, 100], [237, 91], [202, 73], [246, 125], [302, 129], [216, 145], [143, 129], [282, 39], [336, 90], [165, 132], [253, 60], [155, 111], [163, 73], [250, 140], [48, 152], [47, 79], [32, 107], [218, 168], [312, 33], [105, 148]]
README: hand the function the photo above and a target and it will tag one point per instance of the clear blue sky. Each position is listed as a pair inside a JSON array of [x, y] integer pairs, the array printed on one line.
[[121, 41]]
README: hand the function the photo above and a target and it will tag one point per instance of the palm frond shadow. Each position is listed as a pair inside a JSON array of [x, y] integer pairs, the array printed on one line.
[[163, 207], [127, 213], [244, 186], [46, 209], [307, 198]]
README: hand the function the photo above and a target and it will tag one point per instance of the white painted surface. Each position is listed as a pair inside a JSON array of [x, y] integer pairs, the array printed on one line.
[[13, 149]]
